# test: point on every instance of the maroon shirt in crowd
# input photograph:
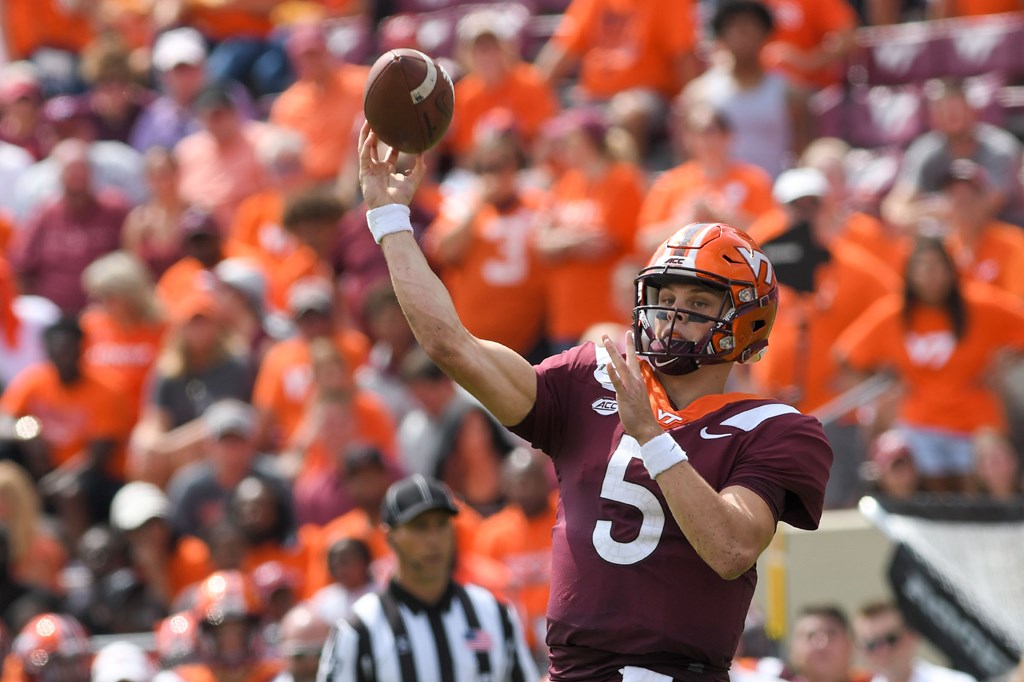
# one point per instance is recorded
(627, 588)
(56, 245)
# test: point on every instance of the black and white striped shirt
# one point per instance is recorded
(468, 636)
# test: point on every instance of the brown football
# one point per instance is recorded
(409, 100)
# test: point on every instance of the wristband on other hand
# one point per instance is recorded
(661, 453)
(388, 219)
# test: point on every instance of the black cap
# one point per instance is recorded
(214, 96)
(727, 9)
(412, 496)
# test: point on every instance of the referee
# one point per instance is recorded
(424, 627)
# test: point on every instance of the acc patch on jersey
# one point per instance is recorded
(605, 406)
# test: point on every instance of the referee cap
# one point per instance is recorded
(408, 498)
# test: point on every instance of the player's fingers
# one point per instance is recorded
(613, 376)
(419, 169)
(372, 145)
(613, 355)
(364, 131)
(392, 157)
(632, 361)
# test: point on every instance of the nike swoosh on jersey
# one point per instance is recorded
(711, 436)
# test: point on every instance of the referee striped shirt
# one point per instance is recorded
(468, 636)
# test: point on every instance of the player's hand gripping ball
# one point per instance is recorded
(409, 100)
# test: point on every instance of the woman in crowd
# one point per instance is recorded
(36, 557)
(152, 230)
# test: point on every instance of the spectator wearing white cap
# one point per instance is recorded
(164, 562)
(122, 662)
(179, 60)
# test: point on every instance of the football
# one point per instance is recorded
(409, 100)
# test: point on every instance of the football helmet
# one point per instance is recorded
(229, 610)
(177, 639)
(54, 647)
(720, 257)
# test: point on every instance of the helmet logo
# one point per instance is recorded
(755, 259)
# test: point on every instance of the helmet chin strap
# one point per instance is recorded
(671, 356)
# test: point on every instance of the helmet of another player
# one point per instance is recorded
(728, 265)
(229, 611)
(53, 648)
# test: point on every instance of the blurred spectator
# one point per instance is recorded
(482, 244)
(218, 163)
(179, 59)
(946, 344)
(152, 231)
(199, 493)
(165, 563)
(348, 564)
(589, 224)
(80, 425)
(710, 187)
(68, 233)
(890, 648)
(52, 647)
(34, 556)
(890, 466)
(323, 105)
(520, 537)
(227, 547)
(303, 634)
(12, 589)
(13, 162)
(996, 466)
(258, 220)
(177, 640)
(284, 384)
(21, 109)
(243, 49)
(22, 321)
(117, 169)
(122, 662)
(262, 509)
(821, 647)
(204, 247)
(637, 54)
(198, 366)
(278, 586)
(811, 40)
(826, 284)
(124, 326)
(495, 78)
(231, 644)
(243, 288)
(114, 100)
(99, 555)
(768, 116)
(956, 134)
(985, 250)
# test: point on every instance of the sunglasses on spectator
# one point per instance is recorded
(886, 641)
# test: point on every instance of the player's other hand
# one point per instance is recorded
(631, 392)
(378, 175)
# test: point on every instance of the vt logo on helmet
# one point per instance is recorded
(722, 261)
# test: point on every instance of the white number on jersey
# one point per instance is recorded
(616, 488)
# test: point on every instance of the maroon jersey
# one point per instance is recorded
(627, 588)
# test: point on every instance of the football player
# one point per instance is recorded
(670, 487)
(51, 648)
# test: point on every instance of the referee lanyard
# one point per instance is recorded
(444, 655)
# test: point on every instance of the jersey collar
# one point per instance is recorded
(415, 604)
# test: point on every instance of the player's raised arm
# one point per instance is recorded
(497, 376)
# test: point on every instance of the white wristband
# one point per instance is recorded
(388, 219)
(661, 453)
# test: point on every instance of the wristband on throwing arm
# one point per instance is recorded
(388, 219)
(661, 453)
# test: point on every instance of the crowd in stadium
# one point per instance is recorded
(205, 372)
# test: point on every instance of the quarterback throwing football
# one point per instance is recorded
(670, 488)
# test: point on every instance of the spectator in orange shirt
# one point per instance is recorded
(495, 78)
(811, 41)
(199, 364)
(589, 225)
(768, 115)
(35, 556)
(635, 54)
(825, 285)
(152, 230)
(985, 250)
(482, 244)
(80, 427)
(284, 383)
(63, 29)
(218, 164)
(520, 537)
(947, 343)
(165, 563)
(257, 222)
(124, 327)
(323, 105)
(710, 187)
